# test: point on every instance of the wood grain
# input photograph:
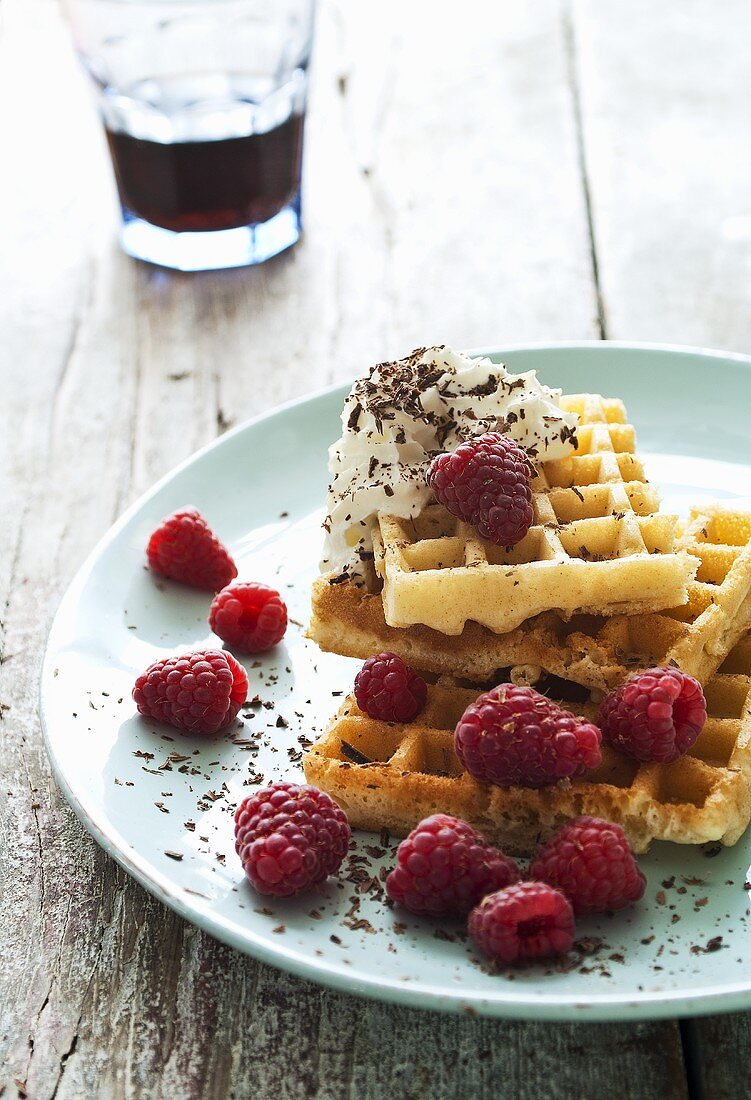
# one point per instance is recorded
(664, 94)
(719, 1045)
(445, 200)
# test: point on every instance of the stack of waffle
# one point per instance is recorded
(602, 585)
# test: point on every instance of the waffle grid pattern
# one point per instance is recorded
(413, 771)
(593, 651)
(597, 543)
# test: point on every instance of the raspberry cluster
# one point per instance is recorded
(445, 866)
(290, 837)
(202, 691)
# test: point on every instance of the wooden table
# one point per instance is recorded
(476, 173)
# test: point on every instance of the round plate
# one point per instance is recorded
(161, 802)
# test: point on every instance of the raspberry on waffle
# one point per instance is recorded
(597, 544)
(386, 688)
(412, 772)
(595, 651)
(486, 483)
(514, 736)
(656, 714)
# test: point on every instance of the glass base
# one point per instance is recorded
(211, 251)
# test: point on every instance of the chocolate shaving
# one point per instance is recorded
(715, 944)
(354, 754)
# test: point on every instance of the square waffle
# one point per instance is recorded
(597, 652)
(394, 775)
(597, 543)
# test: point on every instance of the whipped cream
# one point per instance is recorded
(402, 414)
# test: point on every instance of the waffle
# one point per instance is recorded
(392, 776)
(594, 651)
(597, 544)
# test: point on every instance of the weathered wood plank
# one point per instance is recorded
(431, 214)
(719, 1053)
(664, 100)
(112, 372)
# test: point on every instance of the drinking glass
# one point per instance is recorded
(203, 104)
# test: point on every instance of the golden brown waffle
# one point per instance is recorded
(594, 651)
(412, 771)
(597, 544)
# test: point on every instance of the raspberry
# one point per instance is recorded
(513, 736)
(445, 866)
(591, 861)
(184, 548)
(249, 617)
(200, 692)
(486, 482)
(388, 690)
(290, 837)
(655, 715)
(530, 920)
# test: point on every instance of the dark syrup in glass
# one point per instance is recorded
(191, 186)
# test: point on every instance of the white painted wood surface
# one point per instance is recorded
(456, 155)
(665, 90)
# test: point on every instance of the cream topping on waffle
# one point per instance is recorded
(402, 413)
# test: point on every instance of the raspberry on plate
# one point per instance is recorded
(529, 920)
(655, 715)
(388, 690)
(200, 692)
(184, 548)
(591, 861)
(513, 736)
(444, 866)
(290, 837)
(248, 616)
(486, 483)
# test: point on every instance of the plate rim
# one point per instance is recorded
(553, 1007)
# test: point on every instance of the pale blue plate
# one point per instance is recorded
(261, 486)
